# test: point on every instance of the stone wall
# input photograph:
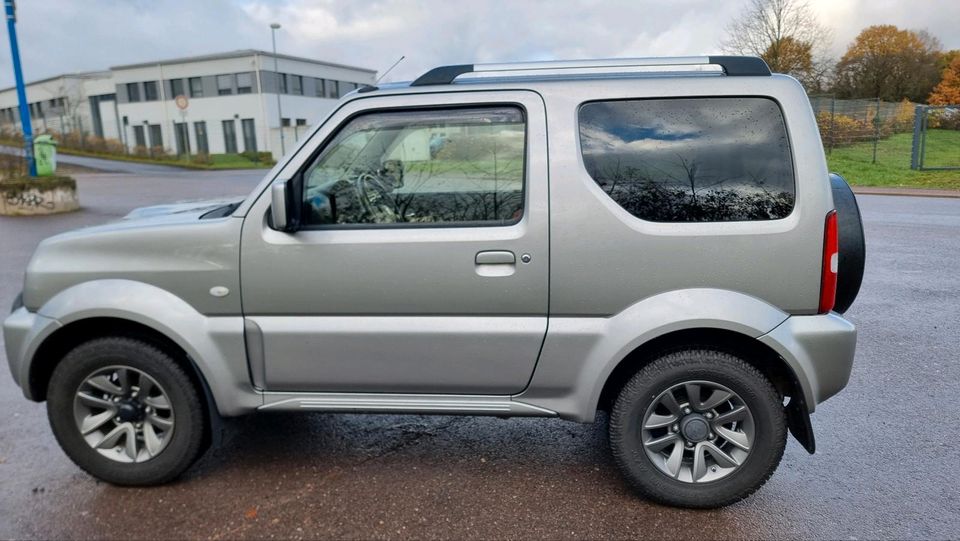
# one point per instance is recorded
(31, 197)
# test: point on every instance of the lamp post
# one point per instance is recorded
(273, 33)
(25, 125)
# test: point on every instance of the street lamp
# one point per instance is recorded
(273, 33)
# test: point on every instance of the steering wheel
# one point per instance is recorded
(374, 198)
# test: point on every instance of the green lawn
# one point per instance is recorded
(217, 161)
(893, 162)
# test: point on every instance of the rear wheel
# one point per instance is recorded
(125, 412)
(698, 428)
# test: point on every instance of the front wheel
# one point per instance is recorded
(698, 428)
(125, 412)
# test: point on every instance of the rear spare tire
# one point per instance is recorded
(853, 250)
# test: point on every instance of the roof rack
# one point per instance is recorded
(731, 65)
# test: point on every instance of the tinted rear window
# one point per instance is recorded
(690, 159)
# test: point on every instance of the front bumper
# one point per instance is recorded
(23, 332)
(820, 349)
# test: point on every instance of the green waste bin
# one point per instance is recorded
(45, 155)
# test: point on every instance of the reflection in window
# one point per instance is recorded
(690, 160)
(461, 166)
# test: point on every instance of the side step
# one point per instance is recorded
(402, 403)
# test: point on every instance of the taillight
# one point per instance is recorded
(831, 261)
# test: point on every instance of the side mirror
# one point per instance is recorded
(285, 205)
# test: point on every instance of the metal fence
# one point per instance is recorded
(936, 138)
(874, 129)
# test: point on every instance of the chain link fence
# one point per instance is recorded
(936, 138)
(875, 130)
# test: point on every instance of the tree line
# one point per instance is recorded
(883, 61)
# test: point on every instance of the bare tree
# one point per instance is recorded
(787, 35)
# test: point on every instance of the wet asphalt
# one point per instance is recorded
(887, 465)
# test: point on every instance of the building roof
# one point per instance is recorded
(235, 54)
(77, 75)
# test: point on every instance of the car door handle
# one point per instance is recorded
(496, 257)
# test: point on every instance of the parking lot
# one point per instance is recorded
(886, 465)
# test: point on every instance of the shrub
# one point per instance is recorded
(902, 120)
(12, 166)
(840, 130)
(201, 159)
(257, 157)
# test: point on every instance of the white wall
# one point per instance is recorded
(213, 110)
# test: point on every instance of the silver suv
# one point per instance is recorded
(653, 238)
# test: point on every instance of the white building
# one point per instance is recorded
(57, 104)
(231, 101)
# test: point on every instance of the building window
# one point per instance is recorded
(139, 138)
(285, 122)
(156, 136)
(690, 160)
(346, 88)
(296, 84)
(244, 83)
(150, 91)
(320, 92)
(200, 128)
(249, 135)
(176, 87)
(225, 84)
(229, 137)
(301, 122)
(182, 135)
(332, 91)
(133, 92)
(282, 82)
(196, 87)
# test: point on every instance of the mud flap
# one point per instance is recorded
(798, 420)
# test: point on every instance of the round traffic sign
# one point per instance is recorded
(181, 102)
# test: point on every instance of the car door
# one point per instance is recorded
(421, 265)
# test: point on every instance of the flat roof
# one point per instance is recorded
(77, 75)
(236, 54)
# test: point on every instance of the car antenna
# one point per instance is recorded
(370, 88)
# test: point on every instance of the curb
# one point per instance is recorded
(906, 192)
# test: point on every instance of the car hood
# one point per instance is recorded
(166, 246)
(189, 210)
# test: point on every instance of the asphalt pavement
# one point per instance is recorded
(886, 465)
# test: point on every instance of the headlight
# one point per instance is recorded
(17, 302)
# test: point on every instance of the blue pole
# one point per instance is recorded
(21, 90)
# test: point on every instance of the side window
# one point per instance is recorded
(421, 168)
(691, 159)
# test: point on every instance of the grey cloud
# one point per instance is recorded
(58, 36)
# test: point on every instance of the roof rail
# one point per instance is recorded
(731, 65)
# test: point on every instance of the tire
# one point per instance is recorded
(147, 366)
(639, 405)
(853, 247)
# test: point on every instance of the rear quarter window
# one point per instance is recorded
(690, 159)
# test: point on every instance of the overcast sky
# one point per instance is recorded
(60, 36)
